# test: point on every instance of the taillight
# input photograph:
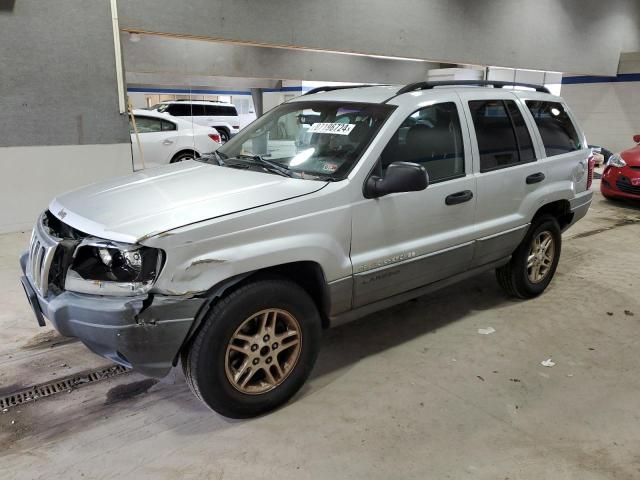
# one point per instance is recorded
(591, 163)
(215, 137)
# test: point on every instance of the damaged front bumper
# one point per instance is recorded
(143, 332)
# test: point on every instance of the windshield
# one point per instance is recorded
(317, 140)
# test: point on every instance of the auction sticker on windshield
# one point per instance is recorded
(334, 128)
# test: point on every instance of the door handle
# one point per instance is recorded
(535, 178)
(459, 197)
(167, 142)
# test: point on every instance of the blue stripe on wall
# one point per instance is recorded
(622, 77)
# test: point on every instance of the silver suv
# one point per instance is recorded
(331, 206)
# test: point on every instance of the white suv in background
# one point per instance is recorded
(222, 116)
(165, 139)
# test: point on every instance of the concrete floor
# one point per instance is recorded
(413, 392)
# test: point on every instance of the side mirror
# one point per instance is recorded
(400, 177)
(636, 138)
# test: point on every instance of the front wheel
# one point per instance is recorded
(534, 262)
(255, 349)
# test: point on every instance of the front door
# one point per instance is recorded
(405, 240)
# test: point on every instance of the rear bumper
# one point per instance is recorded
(579, 206)
(144, 333)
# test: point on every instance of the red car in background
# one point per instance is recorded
(621, 176)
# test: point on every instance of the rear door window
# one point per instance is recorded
(502, 135)
(168, 126)
(198, 110)
(179, 110)
(523, 138)
(556, 129)
(147, 125)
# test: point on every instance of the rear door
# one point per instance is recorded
(564, 148)
(508, 171)
(158, 139)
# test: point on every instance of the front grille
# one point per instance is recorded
(626, 187)
(635, 167)
(41, 252)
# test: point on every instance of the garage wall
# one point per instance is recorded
(59, 122)
(537, 34)
(608, 108)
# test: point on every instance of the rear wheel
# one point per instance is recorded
(255, 349)
(184, 156)
(534, 262)
(224, 135)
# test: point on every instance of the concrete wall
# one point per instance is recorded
(58, 77)
(59, 121)
(608, 109)
(580, 36)
(194, 60)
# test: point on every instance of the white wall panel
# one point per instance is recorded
(32, 176)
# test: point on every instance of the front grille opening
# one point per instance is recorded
(626, 187)
(60, 229)
(44, 390)
(67, 238)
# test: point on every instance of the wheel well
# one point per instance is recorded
(560, 209)
(188, 150)
(310, 277)
(307, 274)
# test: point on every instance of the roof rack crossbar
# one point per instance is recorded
(412, 87)
(330, 88)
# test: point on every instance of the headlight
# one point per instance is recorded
(616, 160)
(101, 267)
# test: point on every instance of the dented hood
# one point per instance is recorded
(151, 202)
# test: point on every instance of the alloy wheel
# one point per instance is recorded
(263, 351)
(540, 259)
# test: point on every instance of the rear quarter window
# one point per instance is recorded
(557, 131)
(221, 111)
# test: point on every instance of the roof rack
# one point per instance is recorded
(412, 87)
(330, 88)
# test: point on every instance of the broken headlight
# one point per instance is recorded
(101, 267)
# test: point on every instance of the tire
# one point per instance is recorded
(224, 135)
(183, 156)
(515, 278)
(213, 359)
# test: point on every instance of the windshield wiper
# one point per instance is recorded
(268, 165)
(211, 157)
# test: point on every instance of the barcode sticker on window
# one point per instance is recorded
(333, 128)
